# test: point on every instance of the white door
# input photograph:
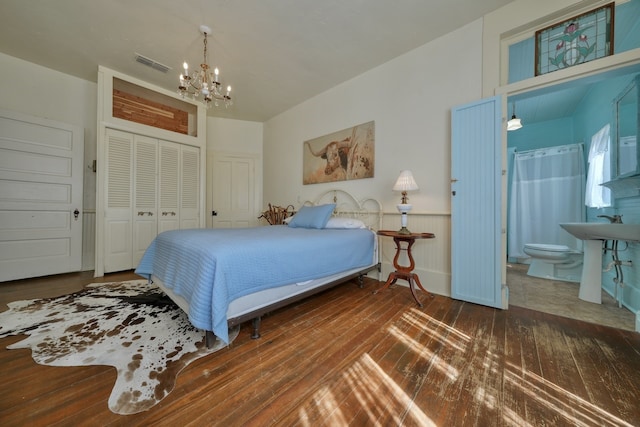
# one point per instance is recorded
(169, 187)
(179, 186)
(145, 205)
(41, 177)
(233, 191)
(189, 187)
(476, 203)
(118, 248)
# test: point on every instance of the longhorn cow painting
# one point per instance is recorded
(340, 156)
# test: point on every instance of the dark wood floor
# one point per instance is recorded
(347, 357)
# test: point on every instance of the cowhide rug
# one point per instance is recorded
(130, 325)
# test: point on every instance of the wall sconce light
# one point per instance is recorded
(404, 184)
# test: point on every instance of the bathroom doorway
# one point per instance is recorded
(542, 112)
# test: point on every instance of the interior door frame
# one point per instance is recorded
(615, 64)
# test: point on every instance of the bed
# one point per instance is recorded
(224, 277)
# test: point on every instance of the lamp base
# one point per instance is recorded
(404, 230)
(404, 208)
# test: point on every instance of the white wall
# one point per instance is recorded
(38, 91)
(409, 98)
(235, 136)
(42, 92)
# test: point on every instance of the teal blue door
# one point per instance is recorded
(476, 200)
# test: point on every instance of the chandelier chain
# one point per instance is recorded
(206, 56)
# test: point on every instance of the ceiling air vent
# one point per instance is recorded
(151, 63)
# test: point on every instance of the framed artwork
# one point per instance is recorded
(575, 41)
(340, 156)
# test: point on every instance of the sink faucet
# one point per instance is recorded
(616, 219)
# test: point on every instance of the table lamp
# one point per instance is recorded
(404, 184)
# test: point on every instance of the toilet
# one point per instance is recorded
(555, 262)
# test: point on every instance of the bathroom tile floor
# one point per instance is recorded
(561, 298)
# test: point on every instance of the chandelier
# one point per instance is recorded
(202, 82)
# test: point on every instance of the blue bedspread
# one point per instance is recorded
(212, 267)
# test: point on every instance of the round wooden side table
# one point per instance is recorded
(405, 272)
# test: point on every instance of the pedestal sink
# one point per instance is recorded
(603, 231)
(593, 233)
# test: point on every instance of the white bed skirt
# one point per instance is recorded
(264, 298)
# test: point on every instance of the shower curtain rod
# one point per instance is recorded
(566, 147)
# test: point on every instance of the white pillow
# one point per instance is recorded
(341, 222)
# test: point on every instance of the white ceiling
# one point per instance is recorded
(275, 53)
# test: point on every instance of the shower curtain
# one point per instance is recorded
(547, 189)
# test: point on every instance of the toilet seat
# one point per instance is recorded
(548, 247)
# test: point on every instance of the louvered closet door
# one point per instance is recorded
(118, 180)
(145, 211)
(190, 187)
(168, 186)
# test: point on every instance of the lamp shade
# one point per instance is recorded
(514, 123)
(405, 182)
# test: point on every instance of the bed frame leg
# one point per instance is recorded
(256, 328)
(209, 339)
(361, 281)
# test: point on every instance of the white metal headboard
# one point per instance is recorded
(367, 210)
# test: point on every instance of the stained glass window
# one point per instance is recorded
(575, 41)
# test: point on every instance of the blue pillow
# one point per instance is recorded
(312, 216)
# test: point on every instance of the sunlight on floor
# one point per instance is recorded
(368, 376)
(365, 390)
(426, 354)
(377, 394)
(419, 319)
(328, 406)
(544, 392)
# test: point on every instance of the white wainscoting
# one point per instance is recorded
(432, 256)
(88, 239)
